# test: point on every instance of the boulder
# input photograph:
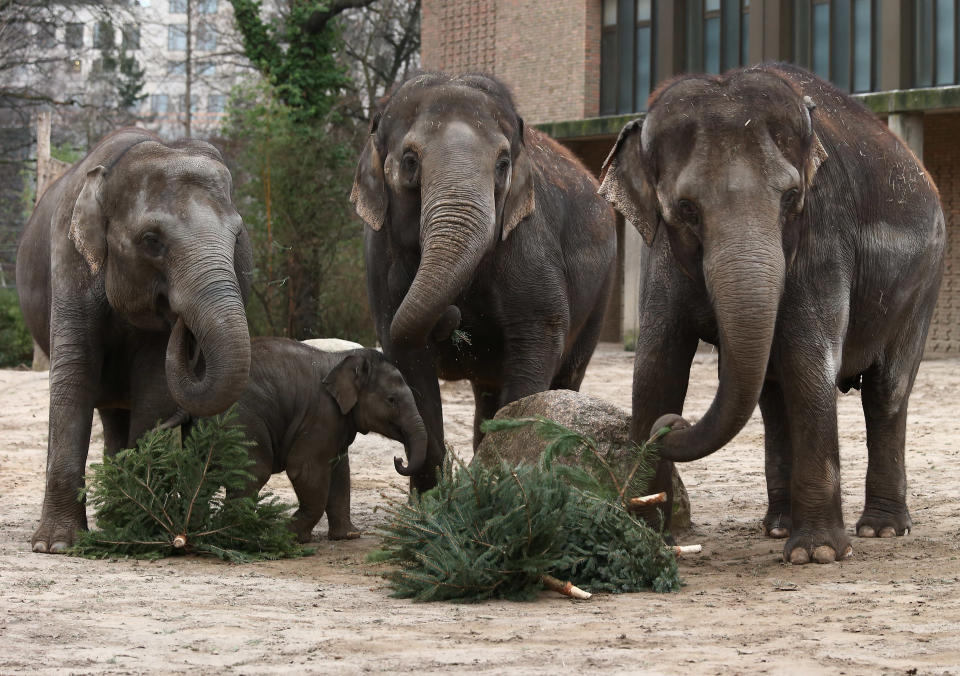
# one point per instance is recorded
(609, 425)
(332, 344)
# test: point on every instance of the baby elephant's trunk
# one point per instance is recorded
(415, 442)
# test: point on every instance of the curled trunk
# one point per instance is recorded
(745, 283)
(457, 228)
(208, 353)
(415, 442)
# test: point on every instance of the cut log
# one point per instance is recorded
(565, 588)
(645, 500)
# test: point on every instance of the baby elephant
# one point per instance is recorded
(302, 408)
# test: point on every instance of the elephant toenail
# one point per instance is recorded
(866, 532)
(40, 547)
(824, 554)
(58, 547)
(799, 556)
(848, 552)
(887, 532)
(778, 532)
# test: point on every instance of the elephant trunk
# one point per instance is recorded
(415, 442)
(745, 281)
(457, 228)
(208, 353)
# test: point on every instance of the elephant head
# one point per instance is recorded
(445, 169)
(160, 230)
(723, 168)
(371, 390)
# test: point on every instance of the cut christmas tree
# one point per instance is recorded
(502, 531)
(162, 498)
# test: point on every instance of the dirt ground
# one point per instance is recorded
(893, 608)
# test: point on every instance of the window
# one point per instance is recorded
(159, 104)
(206, 6)
(718, 35)
(73, 35)
(205, 68)
(104, 65)
(131, 36)
(178, 6)
(177, 37)
(216, 103)
(627, 49)
(206, 38)
(837, 39)
(46, 35)
(176, 67)
(935, 43)
(194, 103)
(103, 35)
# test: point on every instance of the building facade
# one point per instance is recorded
(580, 69)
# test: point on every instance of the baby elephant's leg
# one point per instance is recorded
(338, 502)
(310, 477)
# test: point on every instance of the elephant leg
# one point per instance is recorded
(885, 393)
(574, 367)
(310, 473)
(420, 373)
(74, 369)
(338, 501)
(817, 532)
(150, 400)
(486, 400)
(779, 458)
(116, 430)
(666, 343)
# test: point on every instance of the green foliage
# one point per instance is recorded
(16, 345)
(144, 498)
(630, 340)
(296, 56)
(615, 477)
(494, 532)
(293, 180)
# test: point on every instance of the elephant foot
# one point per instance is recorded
(777, 523)
(823, 546)
(879, 522)
(350, 534)
(55, 535)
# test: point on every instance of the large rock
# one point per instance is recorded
(609, 425)
(332, 344)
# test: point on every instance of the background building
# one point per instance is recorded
(580, 69)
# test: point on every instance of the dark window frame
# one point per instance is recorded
(837, 64)
(624, 33)
(929, 43)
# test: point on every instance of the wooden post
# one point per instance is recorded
(48, 171)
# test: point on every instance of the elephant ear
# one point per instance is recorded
(369, 193)
(624, 182)
(87, 228)
(520, 201)
(346, 380)
(818, 153)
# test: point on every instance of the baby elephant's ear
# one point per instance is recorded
(346, 380)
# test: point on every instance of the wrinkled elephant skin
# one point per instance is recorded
(789, 227)
(132, 274)
(489, 254)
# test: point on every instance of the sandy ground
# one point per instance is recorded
(893, 608)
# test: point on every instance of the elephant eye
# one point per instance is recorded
(410, 169)
(151, 244)
(687, 212)
(392, 400)
(502, 168)
(789, 199)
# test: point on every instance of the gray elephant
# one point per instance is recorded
(132, 274)
(303, 407)
(785, 224)
(489, 255)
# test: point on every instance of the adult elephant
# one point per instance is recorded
(480, 224)
(788, 226)
(132, 273)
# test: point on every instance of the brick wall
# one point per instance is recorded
(547, 51)
(941, 155)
